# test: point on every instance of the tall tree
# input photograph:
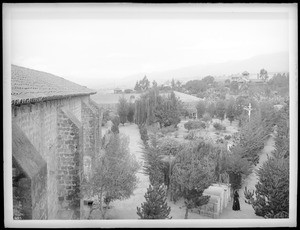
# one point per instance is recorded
(230, 110)
(123, 109)
(154, 84)
(114, 177)
(145, 83)
(271, 197)
(173, 85)
(178, 86)
(130, 113)
(234, 87)
(137, 86)
(193, 172)
(201, 108)
(236, 167)
(167, 110)
(263, 74)
(156, 206)
(227, 82)
(211, 109)
(153, 166)
(115, 124)
(251, 139)
(220, 109)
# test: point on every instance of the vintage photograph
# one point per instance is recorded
(142, 115)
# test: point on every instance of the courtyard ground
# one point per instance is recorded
(126, 209)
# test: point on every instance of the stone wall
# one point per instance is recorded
(29, 177)
(39, 122)
(91, 134)
(39, 195)
(69, 160)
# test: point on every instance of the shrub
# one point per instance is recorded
(193, 134)
(168, 129)
(169, 145)
(176, 134)
(206, 117)
(106, 117)
(220, 140)
(227, 137)
(156, 206)
(194, 125)
(219, 126)
(115, 126)
(144, 134)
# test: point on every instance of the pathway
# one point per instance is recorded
(247, 212)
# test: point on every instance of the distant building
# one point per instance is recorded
(56, 130)
(117, 90)
(128, 91)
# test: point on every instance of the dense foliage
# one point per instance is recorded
(220, 109)
(219, 126)
(230, 110)
(193, 172)
(114, 176)
(167, 110)
(115, 124)
(130, 114)
(122, 110)
(194, 124)
(201, 107)
(271, 197)
(154, 167)
(156, 206)
(142, 85)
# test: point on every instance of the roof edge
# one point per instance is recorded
(49, 98)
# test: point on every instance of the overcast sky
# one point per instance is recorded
(87, 44)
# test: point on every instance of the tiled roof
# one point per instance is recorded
(28, 85)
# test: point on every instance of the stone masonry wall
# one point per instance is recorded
(99, 117)
(69, 154)
(39, 123)
(39, 195)
(89, 122)
(29, 178)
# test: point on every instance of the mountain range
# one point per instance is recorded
(276, 62)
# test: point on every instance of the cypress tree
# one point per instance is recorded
(156, 206)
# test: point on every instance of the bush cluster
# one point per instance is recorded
(219, 126)
(227, 137)
(168, 129)
(193, 134)
(194, 125)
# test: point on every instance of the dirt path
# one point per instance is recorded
(247, 212)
